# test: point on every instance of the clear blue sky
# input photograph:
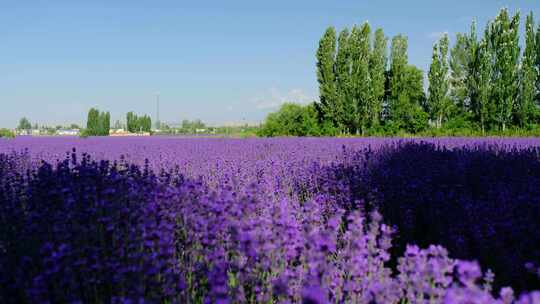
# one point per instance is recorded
(220, 61)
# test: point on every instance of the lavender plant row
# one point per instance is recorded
(220, 221)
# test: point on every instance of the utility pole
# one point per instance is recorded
(157, 111)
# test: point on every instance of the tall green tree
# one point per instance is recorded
(98, 123)
(414, 119)
(398, 66)
(377, 70)
(101, 123)
(406, 90)
(24, 124)
(92, 122)
(483, 108)
(526, 108)
(479, 76)
(439, 104)
(537, 66)
(459, 71)
(505, 45)
(129, 122)
(360, 49)
(472, 71)
(107, 123)
(345, 105)
(326, 76)
(146, 124)
(104, 123)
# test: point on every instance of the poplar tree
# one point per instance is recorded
(483, 108)
(537, 66)
(360, 54)
(528, 75)
(378, 61)
(326, 77)
(406, 90)
(459, 63)
(505, 45)
(408, 114)
(92, 122)
(131, 122)
(345, 106)
(101, 124)
(472, 70)
(24, 124)
(106, 124)
(438, 101)
(145, 123)
(398, 66)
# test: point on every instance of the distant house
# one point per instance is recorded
(122, 132)
(23, 132)
(72, 132)
(200, 130)
(118, 132)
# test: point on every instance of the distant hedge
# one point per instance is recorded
(7, 133)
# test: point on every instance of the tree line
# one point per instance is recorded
(136, 124)
(485, 83)
(489, 81)
(98, 123)
(292, 120)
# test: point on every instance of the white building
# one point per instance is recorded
(72, 132)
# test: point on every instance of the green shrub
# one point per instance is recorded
(293, 120)
(6, 133)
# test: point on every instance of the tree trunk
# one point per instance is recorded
(482, 126)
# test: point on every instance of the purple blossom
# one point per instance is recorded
(246, 221)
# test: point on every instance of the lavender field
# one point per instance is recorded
(285, 220)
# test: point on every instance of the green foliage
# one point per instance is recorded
(131, 122)
(84, 133)
(351, 80)
(503, 35)
(398, 64)
(476, 87)
(191, 127)
(326, 77)
(361, 86)
(406, 91)
(239, 131)
(136, 124)
(292, 120)
(537, 67)
(92, 122)
(482, 107)
(24, 124)
(378, 61)
(104, 123)
(117, 125)
(344, 109)
(6, 133)
(406, 111)
(459, 62)
(439, 103)
(98, 123)
(525, 108)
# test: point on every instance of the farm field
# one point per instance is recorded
(285, 220)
